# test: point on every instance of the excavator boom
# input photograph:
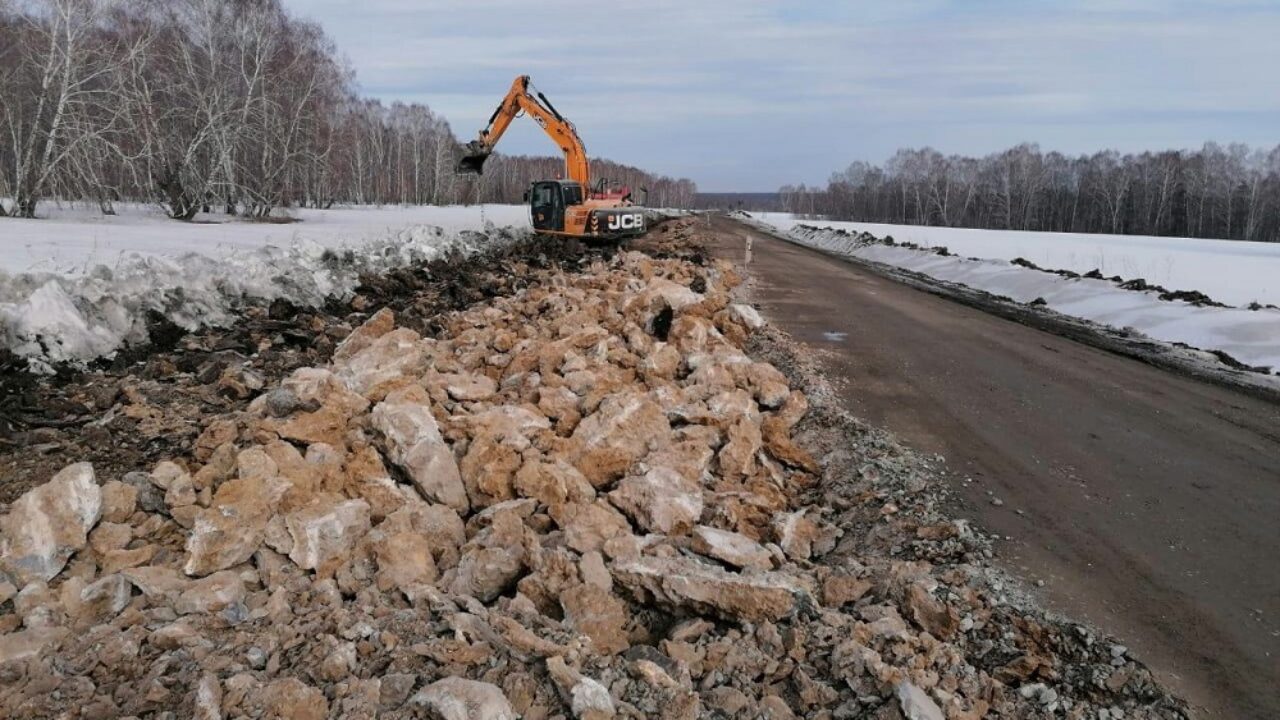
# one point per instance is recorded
(561, 131)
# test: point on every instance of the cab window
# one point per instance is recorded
(544, 195)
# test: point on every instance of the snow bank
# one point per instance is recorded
(1250, 336)
(83, 310)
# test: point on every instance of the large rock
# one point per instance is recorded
(117, 560)
(214, 593)
(691, 457)
(488, 469)
(30, 643)
(658, 296)
(381, 323)
(729, 407)
(767, 383)
(404, 561)
(693, 334)
(777, 440)
(748, 316)
(208, 700)
(326, 530)
(499, 438)
(317, 387)
(840, 589)
(660, 501)
(936, 617)
(455, 698)
(439, 524)
(326, 425)
(619, 433)
(553, 483)
(916, 703)
(587, 698)
(685, 584)
(108, 536)
(467, 387)
(562, 405)
(738, 456)
(104, 598)
(796, 534)
(661, 363)
(413, 442)
(292, 699)
(492, 560)
(161, 585)
(180, 491)
(387, 358)
(229, 531)
(367, 478)
(49, 524)
(596, 613)
(118, 501)
(39, 606)
(589, 525)
(730, 547)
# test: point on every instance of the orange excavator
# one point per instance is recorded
(569, 207)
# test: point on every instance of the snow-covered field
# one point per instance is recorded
(1231, 272)
(77, 238)
(78, 286)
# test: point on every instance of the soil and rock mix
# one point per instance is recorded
(149, 402)
(592, 490)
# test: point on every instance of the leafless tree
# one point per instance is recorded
(49, 92)
(229, 104)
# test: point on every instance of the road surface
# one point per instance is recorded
(1147, 502)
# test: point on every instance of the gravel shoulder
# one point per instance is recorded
(1142, 499)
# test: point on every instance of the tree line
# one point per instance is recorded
(1230, 192)
(234, 106)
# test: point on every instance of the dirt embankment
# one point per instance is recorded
(612, 493)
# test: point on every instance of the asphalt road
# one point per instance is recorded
(1147, 502)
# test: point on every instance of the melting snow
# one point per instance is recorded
(99, 277)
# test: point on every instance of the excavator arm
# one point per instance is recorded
(561, 131)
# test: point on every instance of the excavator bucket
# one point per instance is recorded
(473, 158)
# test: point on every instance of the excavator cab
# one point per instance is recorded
(548, 201)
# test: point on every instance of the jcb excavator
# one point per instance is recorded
(570, 207)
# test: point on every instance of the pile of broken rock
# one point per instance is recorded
(583, 499)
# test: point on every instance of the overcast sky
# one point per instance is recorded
(751, 94)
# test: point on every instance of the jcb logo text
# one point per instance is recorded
(633, 221)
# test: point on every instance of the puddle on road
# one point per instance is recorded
(830, 336)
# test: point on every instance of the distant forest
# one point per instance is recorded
(758, 201)
(1230, 192)
(233, 106)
